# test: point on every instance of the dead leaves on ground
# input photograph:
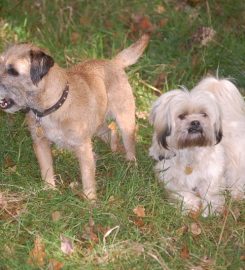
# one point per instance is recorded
(66, 245)
(10, 166)
(203, 36)
(139, 211)
(12, 204)
(195, 229)
(38, 257)
(185, 253)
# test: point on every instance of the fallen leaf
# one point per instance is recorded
(8, 250)
(195, 229)
(8, 162)
(112, 126)
(74, 37)
(207, 262)
(194, 3)
(12, 169)
(139, 222)
(184, 253)
(85, 20)
(37, 255)
(111, 199)
(101, 229)
(160, 9)
(55, 265)
(195, 60)
(136, 17)
(56, 216)
(138, 248)
(160, 81)
(195, 214)
(146, 25)
(163, 22)
(89, 234)
(203, 36)
(182, 230)
(141, 23)
(108, 24)
(77, 189)
(3, 201)
(66, 245)
(197, 268)
(91, 222)
(242, 258)
(139, 211)
(142, 115)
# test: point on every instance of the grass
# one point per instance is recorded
(109, 235)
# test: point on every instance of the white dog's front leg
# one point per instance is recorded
(213, 197)
(85, 156)
(213, 204)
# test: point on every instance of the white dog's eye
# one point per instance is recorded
(204, 115)
(182, 116)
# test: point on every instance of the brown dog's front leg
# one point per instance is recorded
(43, 153)
(85, 156)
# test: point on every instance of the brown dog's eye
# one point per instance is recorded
(12, 71)
(182, 116)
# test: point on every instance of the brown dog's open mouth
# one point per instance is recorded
(6, 103)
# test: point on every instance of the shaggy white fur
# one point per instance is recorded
(199, 144)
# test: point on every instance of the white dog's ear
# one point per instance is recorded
(218, 132)
(160, 116)
(162, 136)
(219, 136)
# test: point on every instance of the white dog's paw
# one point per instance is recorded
(237, 194)
(213, 207)
(191, 203)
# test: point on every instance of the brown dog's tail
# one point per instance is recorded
(130, 55)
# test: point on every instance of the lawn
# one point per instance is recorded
(132, 226)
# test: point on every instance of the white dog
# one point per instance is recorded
(199, 144)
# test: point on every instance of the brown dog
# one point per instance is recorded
(68, 107)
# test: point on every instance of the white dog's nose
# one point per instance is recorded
(195, 123)
(195, 127)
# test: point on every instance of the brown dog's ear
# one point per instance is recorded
(40, 65)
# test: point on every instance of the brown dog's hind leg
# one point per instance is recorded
(109, 135)
(127, 127)
(86, 160)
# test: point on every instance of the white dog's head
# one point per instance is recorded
(183, 119)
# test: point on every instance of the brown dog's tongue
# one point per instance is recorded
(5, 104)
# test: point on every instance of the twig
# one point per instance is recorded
(158, 259)
(208, 12)
(150, 86)
(222, 230)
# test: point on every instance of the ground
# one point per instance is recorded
(132, 226)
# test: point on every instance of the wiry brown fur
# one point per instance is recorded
(97, 89)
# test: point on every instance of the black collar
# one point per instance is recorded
(53, 108)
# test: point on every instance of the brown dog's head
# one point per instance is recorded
(22, 68)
